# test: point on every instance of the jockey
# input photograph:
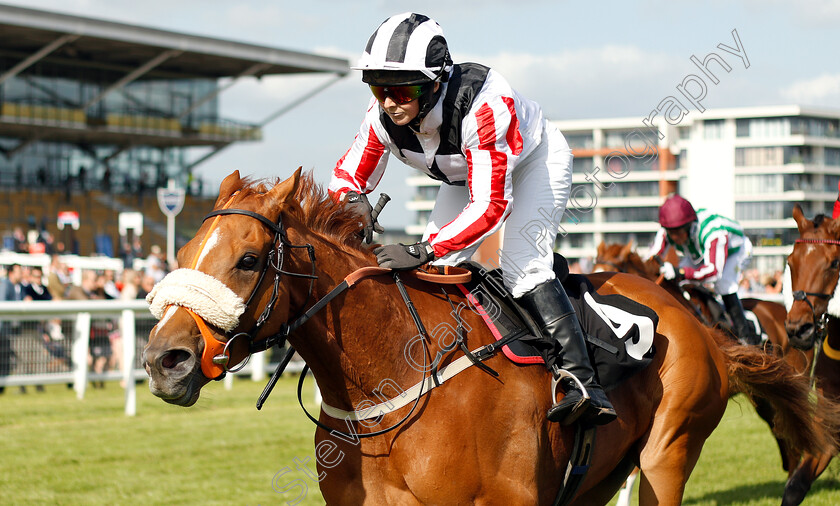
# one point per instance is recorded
(713, 250)
(499, 161)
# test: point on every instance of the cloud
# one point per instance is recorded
(806, 13)
(822, 90)
(601, 81)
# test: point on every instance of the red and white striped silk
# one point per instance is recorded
(499, 129)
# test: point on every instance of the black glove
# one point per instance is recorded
(360, 205)
(401, 257)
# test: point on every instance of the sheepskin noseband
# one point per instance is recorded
(205, 295)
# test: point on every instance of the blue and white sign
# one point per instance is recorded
(171, 200)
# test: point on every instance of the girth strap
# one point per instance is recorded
(406, 397)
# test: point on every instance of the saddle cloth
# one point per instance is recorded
(619, 331)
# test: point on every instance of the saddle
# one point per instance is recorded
(619, 331)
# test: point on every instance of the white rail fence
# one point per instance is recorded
(33, 353)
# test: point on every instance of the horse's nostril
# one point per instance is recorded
(173, 358)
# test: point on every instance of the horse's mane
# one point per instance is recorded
(315, 209)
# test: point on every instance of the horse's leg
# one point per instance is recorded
(800, 481)
(666, 468)
(827, 373)
(627, 490)
(765, 411)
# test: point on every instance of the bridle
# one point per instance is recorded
(215, 366)
(821, 321)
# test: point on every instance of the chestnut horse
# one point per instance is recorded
(623, 258)
(813, 316)
(271, 252)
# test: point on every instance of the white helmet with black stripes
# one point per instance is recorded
(406, 49)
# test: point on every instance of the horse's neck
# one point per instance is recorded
(352, 344)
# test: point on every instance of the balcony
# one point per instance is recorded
(27, 121)
(41, 114)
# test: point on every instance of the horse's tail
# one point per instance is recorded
(803, 417)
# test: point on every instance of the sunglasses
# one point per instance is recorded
(399, 94)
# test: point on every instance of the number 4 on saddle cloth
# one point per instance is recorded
(619, 331)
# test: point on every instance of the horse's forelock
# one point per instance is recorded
(819, 219)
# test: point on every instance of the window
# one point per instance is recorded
(572, 240)
(583, 165)
(832, 157)
(632, 189)
(815, 127)
(752, 184)
(640, 239)
(798, 154)
(831, 183)
(617, 138)
(761, 156)
(778, 210)
(580, 140)
(713, 129)
(625, 214)
(747, 211)
(426, 193)
(742, 128)
(802, 182)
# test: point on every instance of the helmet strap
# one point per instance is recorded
(428, 100)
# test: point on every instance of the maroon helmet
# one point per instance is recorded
(676, 212)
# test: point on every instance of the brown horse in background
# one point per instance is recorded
(624, 258)
(477, 438)
(814, 265)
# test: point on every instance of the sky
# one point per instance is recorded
(578, 60)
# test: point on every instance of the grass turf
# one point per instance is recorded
(59, 450)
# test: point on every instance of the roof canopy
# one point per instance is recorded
(117, 48)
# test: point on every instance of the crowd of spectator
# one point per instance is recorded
(32, 283)
(753, 281)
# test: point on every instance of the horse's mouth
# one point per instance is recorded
(802, 344)
(187, 399)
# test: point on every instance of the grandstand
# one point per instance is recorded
(95, 115)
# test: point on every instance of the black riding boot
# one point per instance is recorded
(744, 329)
(551, 309)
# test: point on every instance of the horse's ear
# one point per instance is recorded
(282, 192)
(601, 249)
(802, 223)
(229, 185)
(625, 251)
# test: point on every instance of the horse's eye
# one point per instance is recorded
(247, 263)
(835, 264)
